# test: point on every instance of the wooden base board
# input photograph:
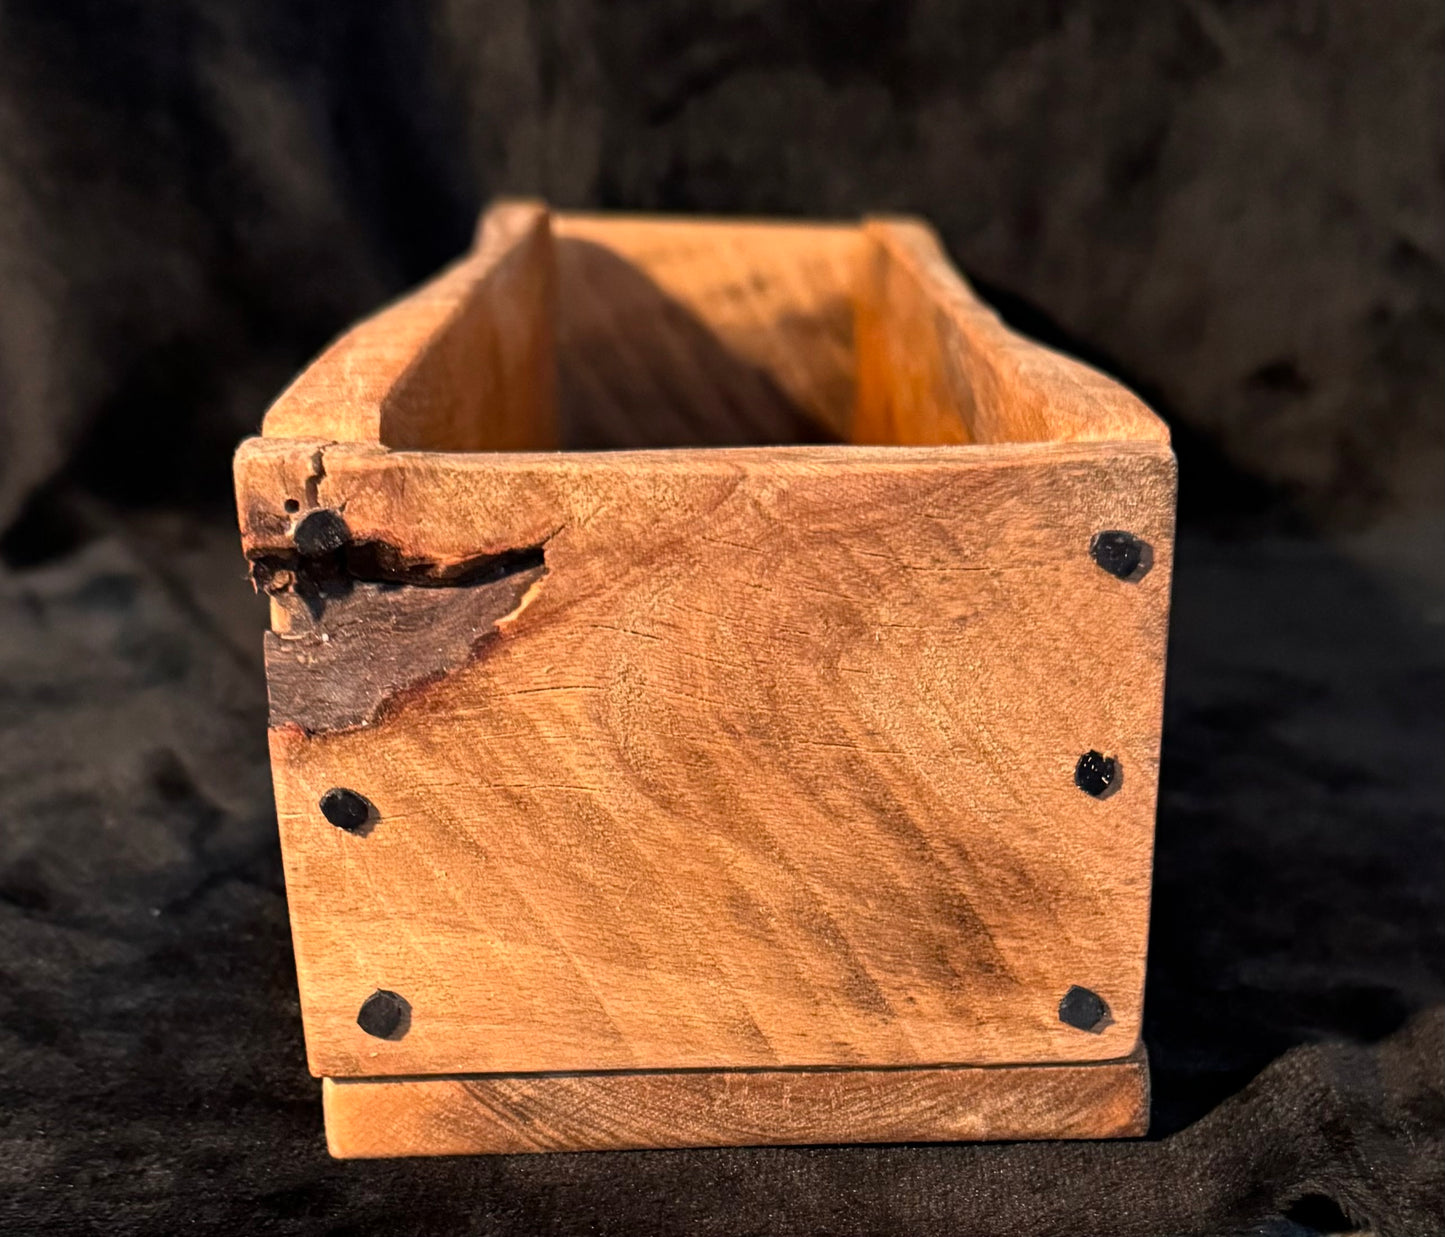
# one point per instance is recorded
(502, 1114)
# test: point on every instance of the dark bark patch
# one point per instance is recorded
(378, 641)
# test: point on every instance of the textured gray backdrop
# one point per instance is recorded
(1239, 207)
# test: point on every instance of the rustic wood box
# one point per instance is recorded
(792, 783)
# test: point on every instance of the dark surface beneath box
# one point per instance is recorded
(154, 1075)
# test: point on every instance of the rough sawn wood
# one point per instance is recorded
(732, 1108)
(742, 773)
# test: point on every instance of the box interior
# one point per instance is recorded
(673, 334)
(587, 332)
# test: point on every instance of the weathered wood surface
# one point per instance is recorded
(685, 332)
(464, 363)
(375, 643)
(595, 331)
(775, 766)
(618, 1112)
(818, 782)
(936, 365)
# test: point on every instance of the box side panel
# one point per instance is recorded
(936, 365)
(729, 759)
(705, 333)
(465, 362)
(619, 1112)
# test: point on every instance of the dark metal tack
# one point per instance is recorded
(347, 810)
(385, 1015)
(1097, 774)
(319, 533)
(1121, 554)
(1083, 1010)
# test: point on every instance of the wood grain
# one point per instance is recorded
(717, 796)
(373, 644)
(935, 365)
(732, 1108)
(633, 332)
(775, 768)
(687, 332)
(465, 363)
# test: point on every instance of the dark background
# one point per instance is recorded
(1237, 208)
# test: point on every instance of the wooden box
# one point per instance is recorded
(776, 763)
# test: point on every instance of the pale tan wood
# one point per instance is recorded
(912, 387)
(935, 365)
(750, 768)
(688, 332)
(465, 363)
(685, 332)
(773, 766)
(732, 1108)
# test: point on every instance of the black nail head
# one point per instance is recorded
(387, 1015)
(1083, 1009)
(1121, 554)
(319, 533)
(347, 810)
(1097, 774)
